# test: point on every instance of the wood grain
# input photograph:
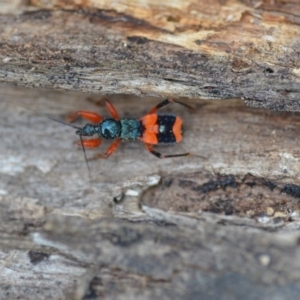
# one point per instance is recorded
(136, 227)
(215, 50)
(141, 227)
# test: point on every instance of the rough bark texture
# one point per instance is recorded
(224, 227)
(207, 49)
(143, 228)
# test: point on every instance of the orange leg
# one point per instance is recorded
(88, 115)
(111, 109)
(112, 148)
(159, 155)
(166, 102)
(92, 143)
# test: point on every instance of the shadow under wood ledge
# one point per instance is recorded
(158, 228)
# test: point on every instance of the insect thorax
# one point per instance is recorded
(130, 129)
(109, 129)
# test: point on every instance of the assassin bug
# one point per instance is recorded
(151, 129)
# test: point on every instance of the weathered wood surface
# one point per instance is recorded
(143, 228)
(203, 49)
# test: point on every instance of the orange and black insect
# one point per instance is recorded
(152, 129)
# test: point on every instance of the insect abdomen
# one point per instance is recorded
(161, 129)
(170, 129)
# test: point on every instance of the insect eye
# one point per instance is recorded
(87, 130)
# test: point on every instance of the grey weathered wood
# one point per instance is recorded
(190, 262)
(252, 53)
(142, 227)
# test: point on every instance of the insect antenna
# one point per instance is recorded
(61, 122)
(80, 136)
(84, 152)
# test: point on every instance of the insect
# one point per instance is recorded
(151, 129)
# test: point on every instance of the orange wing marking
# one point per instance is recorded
(151, 129)
(177, 129)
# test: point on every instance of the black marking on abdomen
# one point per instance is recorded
(165, 129)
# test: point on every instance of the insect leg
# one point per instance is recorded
(166, 102)
(92, 143)
(88, 115)
(159, 155)
(111, 109)
(112, 148)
